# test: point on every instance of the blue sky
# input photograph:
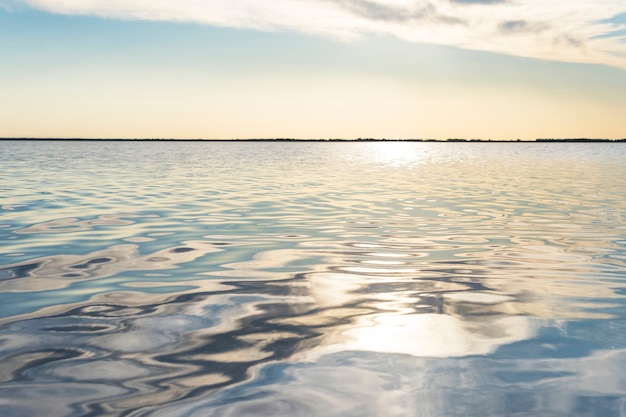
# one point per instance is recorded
(312, 69)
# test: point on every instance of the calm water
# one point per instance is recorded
(312, 279)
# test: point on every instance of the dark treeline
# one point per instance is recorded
(321, 140)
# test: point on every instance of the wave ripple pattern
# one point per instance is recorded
(160, 279)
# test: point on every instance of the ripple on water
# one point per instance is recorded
(312, 280)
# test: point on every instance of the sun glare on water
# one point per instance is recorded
(400, 153)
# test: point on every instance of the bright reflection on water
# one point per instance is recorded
(312, 279)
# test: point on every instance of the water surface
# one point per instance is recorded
(312, 279)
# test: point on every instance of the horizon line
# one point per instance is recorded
(82, 139)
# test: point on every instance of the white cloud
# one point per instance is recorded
(565, 30)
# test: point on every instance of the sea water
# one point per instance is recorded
(171, 279)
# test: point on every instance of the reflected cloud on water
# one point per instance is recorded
(60, 271)
(318, 342)
(412, 282)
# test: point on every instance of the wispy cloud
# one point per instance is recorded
(564, 30)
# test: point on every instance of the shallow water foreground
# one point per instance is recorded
(312, 279)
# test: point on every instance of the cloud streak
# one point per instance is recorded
(562, 30)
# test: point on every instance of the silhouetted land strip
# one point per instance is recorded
(584, 140)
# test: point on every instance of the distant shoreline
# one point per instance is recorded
(452, 140)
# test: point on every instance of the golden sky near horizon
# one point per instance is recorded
(383, 69)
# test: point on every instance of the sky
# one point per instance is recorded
(401, 69)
